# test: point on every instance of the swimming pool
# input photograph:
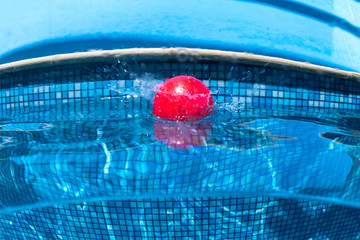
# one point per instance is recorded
(83, 157)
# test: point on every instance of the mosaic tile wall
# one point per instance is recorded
(256, 88)
(192, 218)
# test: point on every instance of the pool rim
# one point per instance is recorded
(175, 54)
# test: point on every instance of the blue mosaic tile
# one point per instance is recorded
(182, 218)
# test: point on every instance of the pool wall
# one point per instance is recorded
(256, 81)
(323, 32)
(61, 194)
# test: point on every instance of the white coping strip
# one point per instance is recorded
(180, 54)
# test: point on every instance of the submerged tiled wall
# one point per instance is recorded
(191, 218)
(68, 213)
(254, 87)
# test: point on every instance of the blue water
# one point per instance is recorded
(237, 174)
(127, 150)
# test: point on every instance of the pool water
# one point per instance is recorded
(134, 153)
(82, 163)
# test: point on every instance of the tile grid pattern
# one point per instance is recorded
(255, 87)
(191, 218)
(205, 218)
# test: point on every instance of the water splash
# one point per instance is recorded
(145, 86)
(148, 86)
(236, 105)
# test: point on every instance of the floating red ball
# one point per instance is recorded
(183, 98)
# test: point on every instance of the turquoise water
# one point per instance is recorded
(107, 150)
(82, 156)
(226, 169)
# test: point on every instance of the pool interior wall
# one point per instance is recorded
(34, 206)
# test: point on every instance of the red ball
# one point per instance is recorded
(183, 98)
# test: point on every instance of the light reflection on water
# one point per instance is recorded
(204, 173)
(132, 154)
